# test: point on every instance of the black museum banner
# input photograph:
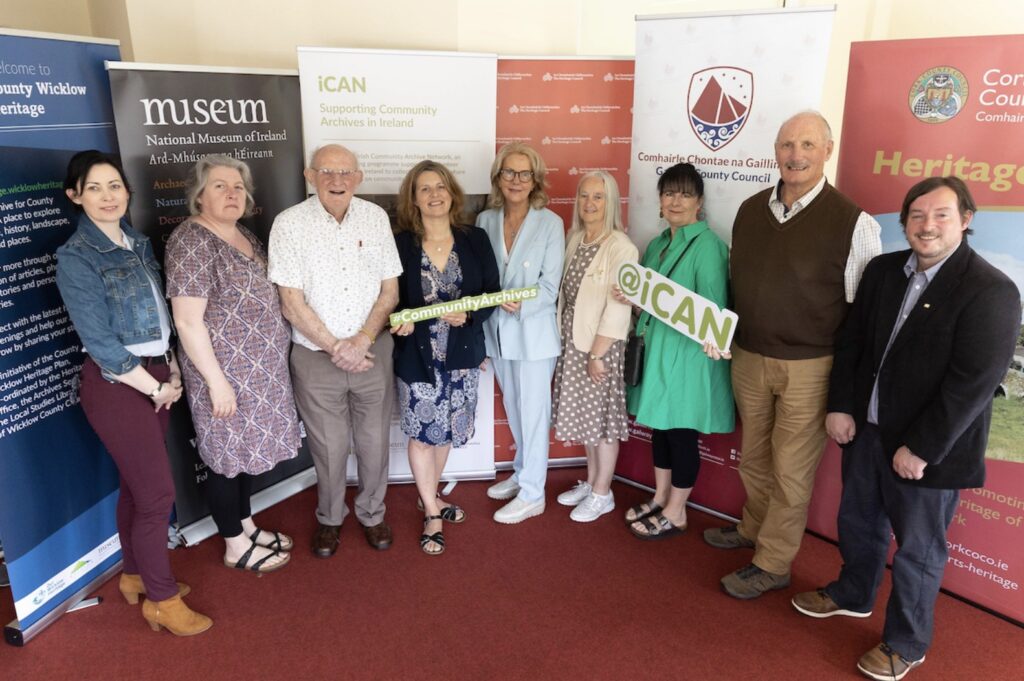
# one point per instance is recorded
(167, 118)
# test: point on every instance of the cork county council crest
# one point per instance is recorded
(719, 104)
(938, 94)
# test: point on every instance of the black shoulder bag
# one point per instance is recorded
(633, 363)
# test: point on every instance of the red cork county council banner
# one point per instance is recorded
(577, 113)
(952, 106)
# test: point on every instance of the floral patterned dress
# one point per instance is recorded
(251, 341)
(441, 412)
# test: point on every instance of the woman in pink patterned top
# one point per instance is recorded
(235, 363)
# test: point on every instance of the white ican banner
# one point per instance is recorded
(712, 90)
(396, 108)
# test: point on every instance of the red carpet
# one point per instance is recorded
(547, 599)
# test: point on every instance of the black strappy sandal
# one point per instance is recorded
(243, 562)
(451, 513)
(280, 542)
(437, 538)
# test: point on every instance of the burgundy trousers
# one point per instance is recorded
(133, 433)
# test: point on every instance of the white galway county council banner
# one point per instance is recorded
(712, 90)
(395, 108)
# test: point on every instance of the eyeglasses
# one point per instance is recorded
(509, 174)
(330, 173)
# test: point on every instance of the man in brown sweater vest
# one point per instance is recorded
(798, 251)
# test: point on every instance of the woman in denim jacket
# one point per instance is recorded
(110, 283)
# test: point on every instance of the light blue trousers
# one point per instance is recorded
(526, 393)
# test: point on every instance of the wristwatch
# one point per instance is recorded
(156, 391)
(593, 356)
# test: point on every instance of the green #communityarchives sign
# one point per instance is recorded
(467, 304)
(677, 306)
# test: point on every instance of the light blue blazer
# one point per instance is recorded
(536, 260)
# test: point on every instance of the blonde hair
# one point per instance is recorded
(538, 197)
(613, 207)
(199, 175)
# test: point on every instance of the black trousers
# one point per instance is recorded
(228, 499)
(676, 449)
(874, 503)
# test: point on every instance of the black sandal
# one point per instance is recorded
(453, 514)
(437, 538)
(243, 562)
(276, 544)
(658, 527)
(640, 513)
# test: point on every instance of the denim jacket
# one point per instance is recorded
(108, 295)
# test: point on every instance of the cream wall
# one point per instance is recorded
(264, 33)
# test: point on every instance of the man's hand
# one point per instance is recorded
(352, 353)
(908, 465)
(840, 427)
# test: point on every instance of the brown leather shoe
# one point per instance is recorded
(378, 536)
(325, 540)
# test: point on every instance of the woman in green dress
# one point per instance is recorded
(683, 392)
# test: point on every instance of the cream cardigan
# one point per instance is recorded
(597, 313)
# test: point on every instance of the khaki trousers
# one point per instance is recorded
(782, 406)
(337, 409)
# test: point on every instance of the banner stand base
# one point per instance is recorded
(83, 604)
(564, 462)
(16, 636)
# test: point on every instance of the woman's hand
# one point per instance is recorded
(619, 296)
(455, 318)
(596, 369)
(402, 329)
(168, 395)
(222, 399)
(175, 380)
(512, 307)
(714, 353)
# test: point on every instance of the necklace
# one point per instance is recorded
(427, 244)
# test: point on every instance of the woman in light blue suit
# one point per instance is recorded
(522, 337)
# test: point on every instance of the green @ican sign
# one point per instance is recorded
(677, 306)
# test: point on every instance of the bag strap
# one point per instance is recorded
(669, 275)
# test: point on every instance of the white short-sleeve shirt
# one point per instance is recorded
(337, 265)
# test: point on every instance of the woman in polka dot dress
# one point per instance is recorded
(589, 391)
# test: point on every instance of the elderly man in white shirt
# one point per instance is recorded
(334, 260)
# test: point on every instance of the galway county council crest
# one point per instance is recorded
(938, 94)
(718, 104)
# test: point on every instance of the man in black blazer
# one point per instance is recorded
(927, 341)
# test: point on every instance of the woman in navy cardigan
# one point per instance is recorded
(437, 361)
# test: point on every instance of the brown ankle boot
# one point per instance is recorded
(131, 587)
(175, 616)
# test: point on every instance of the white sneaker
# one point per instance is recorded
(517, 510)
(506, 489)
(577, 494)
(593, 507)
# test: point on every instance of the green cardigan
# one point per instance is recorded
(681, 387)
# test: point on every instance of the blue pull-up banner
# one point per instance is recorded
(58, 487)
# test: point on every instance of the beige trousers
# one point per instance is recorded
(782, 406)
(339, 408)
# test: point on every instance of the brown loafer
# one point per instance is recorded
(325, 540)
(378, 536)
